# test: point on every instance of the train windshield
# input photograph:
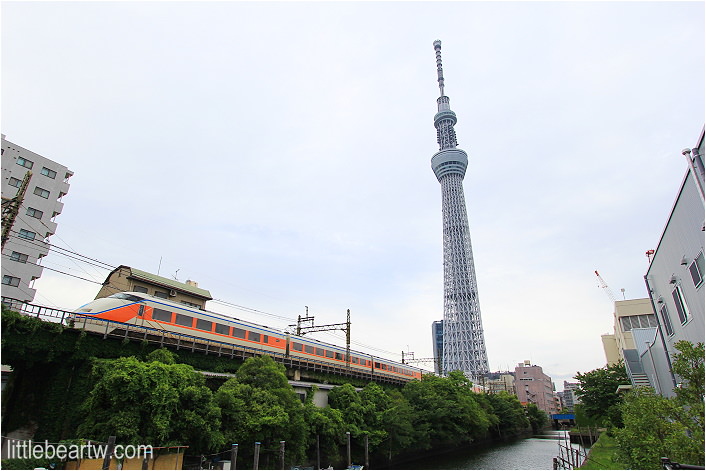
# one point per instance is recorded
(127, 297)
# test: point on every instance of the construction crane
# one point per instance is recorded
(605, 287)
(11, 206)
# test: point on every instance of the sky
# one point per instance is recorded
(278, 153)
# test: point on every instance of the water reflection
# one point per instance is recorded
(536, 452)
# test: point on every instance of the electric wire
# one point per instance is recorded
(74, 256)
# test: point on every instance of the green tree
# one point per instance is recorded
(259, 405)
(446, 410)
(597, 391)
(511, 416)
(656, 426)
(151, 403)
(649, 430)
(688, 365)
(328, 424)
(398, 421)
(538, 419)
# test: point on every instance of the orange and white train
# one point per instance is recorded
(159, 314)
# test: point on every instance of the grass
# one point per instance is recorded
(602, 454)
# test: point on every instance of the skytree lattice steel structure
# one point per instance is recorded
(464, 344)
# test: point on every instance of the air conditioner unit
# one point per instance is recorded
(172, 292)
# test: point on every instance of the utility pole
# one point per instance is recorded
(11, 206)
(344, 326)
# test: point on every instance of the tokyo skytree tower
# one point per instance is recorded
(464, 344)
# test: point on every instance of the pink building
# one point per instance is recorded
(534, 387)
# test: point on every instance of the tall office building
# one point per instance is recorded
(34, 223)
(437, 335)
(464, 344)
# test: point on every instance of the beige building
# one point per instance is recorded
(631, 317)
(125, 278)
(628, 315)
(503, 381)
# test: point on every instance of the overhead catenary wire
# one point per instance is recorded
(78, 257)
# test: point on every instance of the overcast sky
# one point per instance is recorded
(279, 154)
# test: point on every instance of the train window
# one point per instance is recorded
(377, 365)
(181, 319)
(297, 346)
(127, 297)
(161, 315)
(141, 310)
(308, 349)
(264, 339)
(320, 351)
(329, 354)
(355, 360)
(339, 356)
(254, 336)
(223, 329)
(203, 324)
(238, 333)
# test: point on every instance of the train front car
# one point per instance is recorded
(100, 313)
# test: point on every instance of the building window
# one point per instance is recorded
(161, 294)
(25, 234)
(637, 322)
(16, 182)
(18, 257)
(35, 213)
(10, 280)
(665, 320)
(139, 289)
(682, 307)
(48, 173)
(24, 162)
(697, 270)
(41, 192)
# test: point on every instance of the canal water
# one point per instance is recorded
(535, 452)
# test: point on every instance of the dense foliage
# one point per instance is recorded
(148, 396)
(597, 392)
(645, 425)
(656, 426)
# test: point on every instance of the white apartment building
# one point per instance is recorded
(35, 220)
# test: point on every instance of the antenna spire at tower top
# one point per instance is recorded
(439, 69)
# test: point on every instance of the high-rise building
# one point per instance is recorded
(34, 216)
(464, 343)
(569, 395)
(437, 334)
